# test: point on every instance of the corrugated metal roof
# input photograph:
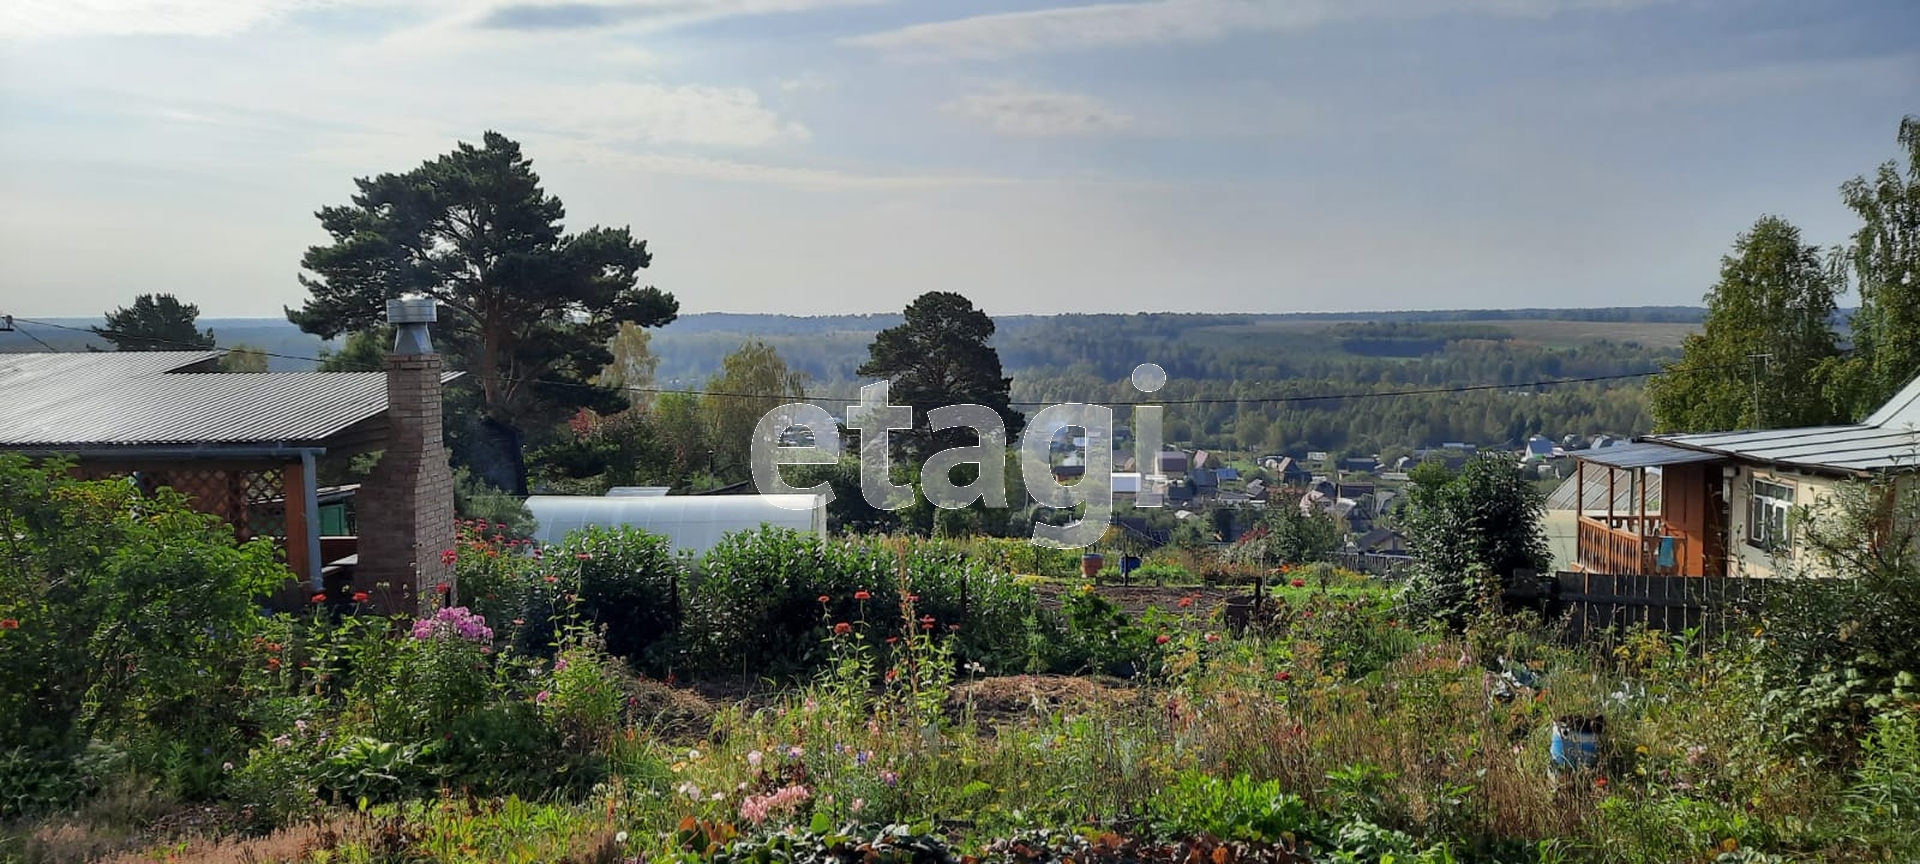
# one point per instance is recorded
(1643, 454)
(1837, 448)
(1888, 440)
(1900, 412)
(126, 399)
(1625, 498)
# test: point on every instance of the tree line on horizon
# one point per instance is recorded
(559, 341)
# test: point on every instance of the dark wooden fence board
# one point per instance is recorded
(1592, 604)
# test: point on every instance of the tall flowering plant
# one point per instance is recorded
(444, 669)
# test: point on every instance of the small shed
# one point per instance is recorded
(241, 446)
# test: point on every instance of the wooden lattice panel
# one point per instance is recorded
(252, 500)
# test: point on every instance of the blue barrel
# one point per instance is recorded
(1575, 748)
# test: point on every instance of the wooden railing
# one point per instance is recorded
(1626, 545)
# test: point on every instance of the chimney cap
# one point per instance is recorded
(412, 309)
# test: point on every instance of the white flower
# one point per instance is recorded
(620, 837)
(693, 755)
(754, 757)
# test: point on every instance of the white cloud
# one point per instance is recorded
(1015, 110)
(805, 82)
(731, 171)
(63, 18)
(653, 113)
(1068, 28)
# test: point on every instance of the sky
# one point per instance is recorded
(1037, 156)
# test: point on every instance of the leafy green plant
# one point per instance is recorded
(1235, 808)
(116, 608)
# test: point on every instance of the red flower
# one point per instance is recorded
(862, 595)
(9, 623)
(273, 647)
(953, 628)
(319, 598)
(273, 663)
(361, 596)
(449, 556)
(892, 674)
(584, 556)
(443, 588)
(1298, 583)
(842, 629)
(1283, 675)
(1186, 602)
(926, 621)
(913, 598)
(824, 599)
(892, 640)
(1600, 782)
(1162, 639)
(552, 579)
(1213, 637)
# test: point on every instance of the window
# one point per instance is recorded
(1767, 507)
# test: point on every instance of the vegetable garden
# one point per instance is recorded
(867, 700)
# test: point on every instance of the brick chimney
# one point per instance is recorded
(405, 508)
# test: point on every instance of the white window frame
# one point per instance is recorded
(1770, 504)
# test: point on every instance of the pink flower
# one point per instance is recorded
(542, 696)
(757, 809)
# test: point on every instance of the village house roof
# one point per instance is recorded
(1889, 439)
(69, 402)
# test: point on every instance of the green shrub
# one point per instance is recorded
(117, 609)
(628, 583)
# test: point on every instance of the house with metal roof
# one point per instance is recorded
(1722, 503)
(242, 446)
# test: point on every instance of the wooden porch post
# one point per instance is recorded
(298, 522)
(1640, 525)
(1579, 489)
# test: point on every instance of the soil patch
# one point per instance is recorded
(1004, 700)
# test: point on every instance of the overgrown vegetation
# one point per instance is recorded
(538, 715)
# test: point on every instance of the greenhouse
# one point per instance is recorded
(691, 523)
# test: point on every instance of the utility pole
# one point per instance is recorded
(1758, 361)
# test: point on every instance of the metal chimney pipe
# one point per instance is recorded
(410, 316)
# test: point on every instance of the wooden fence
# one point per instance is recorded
(1591, 604)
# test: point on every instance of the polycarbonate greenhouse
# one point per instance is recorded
(691, 523)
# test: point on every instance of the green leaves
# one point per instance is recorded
(1775, 298)
(519, 300)
(155, 322)
(941, 356)
(1486, 520)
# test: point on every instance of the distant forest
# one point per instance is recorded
(1271, 383)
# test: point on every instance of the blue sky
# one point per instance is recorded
(827, 156)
